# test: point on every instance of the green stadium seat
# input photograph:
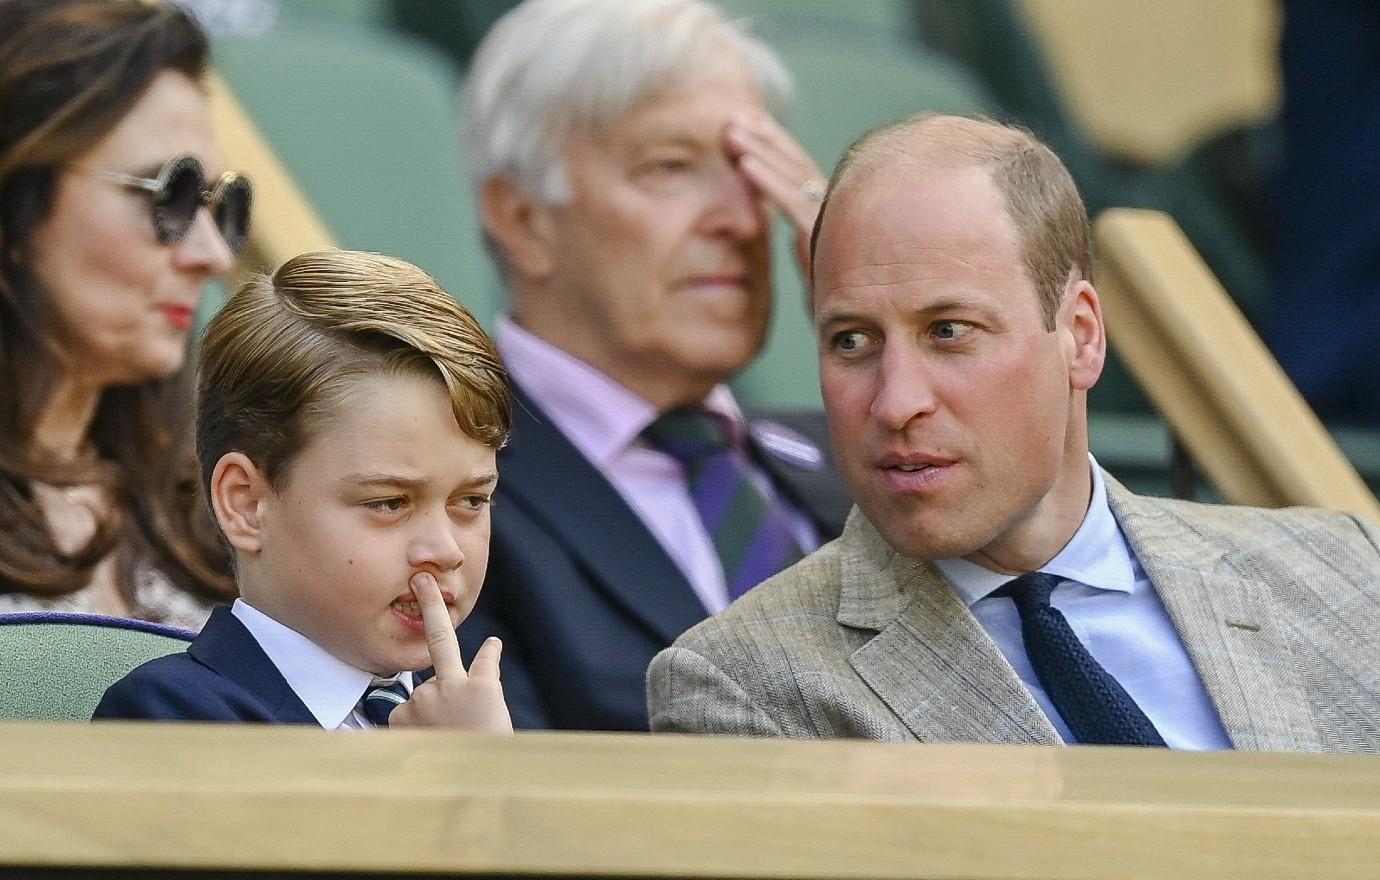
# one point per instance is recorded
(56, 667)
(365, 121)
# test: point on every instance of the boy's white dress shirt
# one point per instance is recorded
(329, 687)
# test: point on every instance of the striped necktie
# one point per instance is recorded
(750, 529)
(383, 696)
(1092, 703)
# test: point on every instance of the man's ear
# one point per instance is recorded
(238, 491)
(521, 227)
(1081, 319)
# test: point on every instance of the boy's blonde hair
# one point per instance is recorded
(286, 348)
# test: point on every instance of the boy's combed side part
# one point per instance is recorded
(285, 348)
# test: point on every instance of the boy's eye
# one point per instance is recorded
(386, 505)
(473, 503)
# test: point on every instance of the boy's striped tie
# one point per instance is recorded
(751, 530)
(383, 696)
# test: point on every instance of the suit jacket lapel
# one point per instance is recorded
(817, 490)
(549, 477)
(931, 662)
(1229, 624)
(225, 647)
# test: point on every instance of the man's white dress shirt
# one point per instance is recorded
(604, 421)
(1116, 613)
(329, 687)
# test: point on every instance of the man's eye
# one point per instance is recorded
(850, 341)
(950, 329)
(666, 166)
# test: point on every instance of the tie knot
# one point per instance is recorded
(688, 434)
(1030, 590)
(381, 698)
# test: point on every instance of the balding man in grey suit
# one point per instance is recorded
(993, 584)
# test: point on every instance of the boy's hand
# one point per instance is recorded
(470, 700)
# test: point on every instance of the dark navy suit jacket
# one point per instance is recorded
(222, 676)
(579, 589)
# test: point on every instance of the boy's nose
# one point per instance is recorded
(435, 547)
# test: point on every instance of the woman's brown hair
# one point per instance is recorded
(69, 72)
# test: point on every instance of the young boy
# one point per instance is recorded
(348, 415)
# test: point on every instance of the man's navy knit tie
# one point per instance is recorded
(751, 531)
(1092, 703)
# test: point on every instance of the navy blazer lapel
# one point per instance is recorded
(544, 472)
(226, 647)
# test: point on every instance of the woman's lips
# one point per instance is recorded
(695, 282)
(179, 316)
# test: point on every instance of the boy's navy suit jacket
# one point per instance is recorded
(222, 676)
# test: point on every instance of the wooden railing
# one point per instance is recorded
(1210, 376)
(139, 797)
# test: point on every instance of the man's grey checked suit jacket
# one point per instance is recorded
(1279, 611)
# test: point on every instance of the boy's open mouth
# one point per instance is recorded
(409, 606)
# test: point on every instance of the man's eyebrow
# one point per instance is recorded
(841, 317)
(947, 304)
(669, 134)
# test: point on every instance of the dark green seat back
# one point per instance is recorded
(365, 121)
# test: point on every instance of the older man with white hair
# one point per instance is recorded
(627, 166)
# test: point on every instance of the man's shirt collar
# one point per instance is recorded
(598, 415)
(1097, 555)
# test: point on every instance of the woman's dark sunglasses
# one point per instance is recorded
(180, 190)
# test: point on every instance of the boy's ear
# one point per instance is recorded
(238, 491)
(520, 225)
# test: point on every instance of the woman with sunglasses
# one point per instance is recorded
(114, 212)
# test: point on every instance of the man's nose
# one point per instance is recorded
(735, 207)
(904, 389)
(434, 545)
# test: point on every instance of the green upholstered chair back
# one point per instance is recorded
(366, 123)
(55, 667)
